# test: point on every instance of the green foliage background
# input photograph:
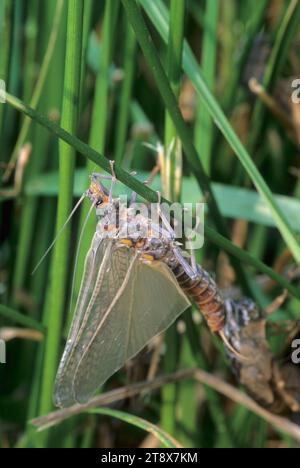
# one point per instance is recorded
(96, 87)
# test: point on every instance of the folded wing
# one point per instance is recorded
(123, 303)
(148, 302)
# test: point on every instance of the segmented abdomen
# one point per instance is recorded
(204, 292)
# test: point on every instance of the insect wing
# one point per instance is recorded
(94, 269)
(148, 301)
(92, 264)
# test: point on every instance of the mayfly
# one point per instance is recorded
(133, 287)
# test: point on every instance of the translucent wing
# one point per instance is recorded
(146, 304)
(92, 264)
(126, 304)
(86, 311)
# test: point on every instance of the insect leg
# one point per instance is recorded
(164, 218)
(152, 174)
(146, 182)
(133, 198)
(190, 271)
(112, 178)
(98, 175)
(192, 251)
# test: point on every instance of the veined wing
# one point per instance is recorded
(103, 276)
(96, 264)
(92, 265)
(147, 303)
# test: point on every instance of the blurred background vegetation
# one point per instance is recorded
(79, 63)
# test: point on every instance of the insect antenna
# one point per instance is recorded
(59, 232)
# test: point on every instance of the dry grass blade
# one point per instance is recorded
(11, 333)
(110, 397)
(22, 162)
(274, 107)
(280, 423)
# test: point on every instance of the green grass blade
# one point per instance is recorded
(204, 127)
(99, 126)
(174, 59)
(146, 192)
(40, 83)
(100, 108)
(164, 87)
(253, 28)
(213, 398)
(192, 70)
(31, 33)
(289, 26)
(234, 202)
(20, 319)
(124, 105)
(150, 53)
(172, 148)
(67, 159)
(285, 34)
(162, 436)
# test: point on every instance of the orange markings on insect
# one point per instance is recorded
(148, 257)
(109, 228)
(127, 242)
(140, 243)
(96, 189)
(205, 294)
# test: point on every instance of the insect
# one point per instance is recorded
(135, 284)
